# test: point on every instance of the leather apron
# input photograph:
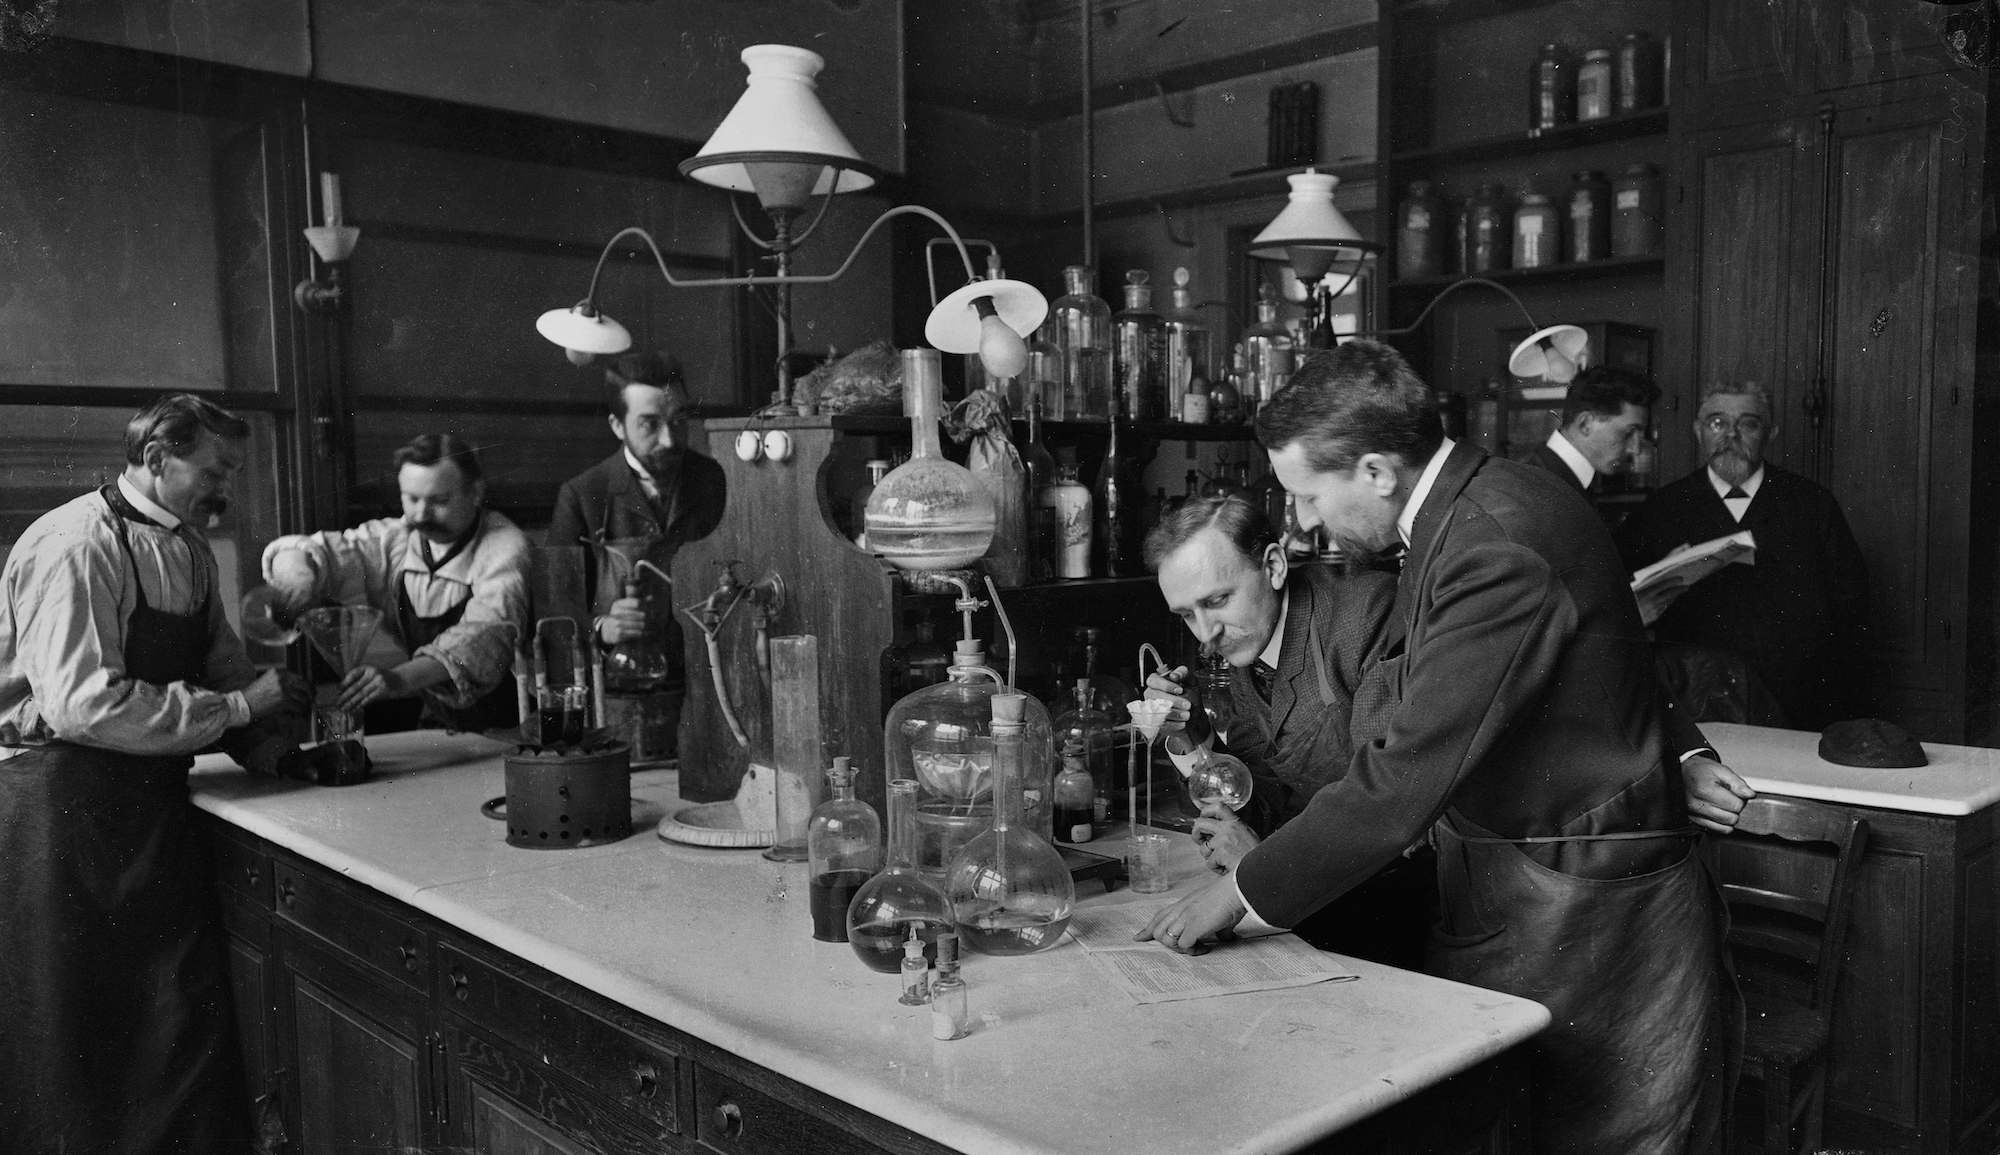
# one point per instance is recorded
(116, 1019)
(498, 708)
(1627, 1064)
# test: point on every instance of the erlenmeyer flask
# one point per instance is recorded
(888, 905)
(1009, 890)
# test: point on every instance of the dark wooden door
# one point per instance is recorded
(361, 1053)
(1739, 56)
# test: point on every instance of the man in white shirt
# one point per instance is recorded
(1604, 419)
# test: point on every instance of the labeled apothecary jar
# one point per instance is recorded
(1637, 82)
(1593, 85)
(1589, 233)
(1489, 235)
(1420, 227)
(1638, 223)
(1551, 88)
(1537, 236)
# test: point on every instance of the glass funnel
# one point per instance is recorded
(928, 513)
(941, 736)
(341, 635)
(1009, 890)
(891, 904)
(844, 846)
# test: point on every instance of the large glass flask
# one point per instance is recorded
(941, 736)
(1095, 737)
(928, 513)
(844, 846)
(1009, 890)
(1079, 330)
(898, 900)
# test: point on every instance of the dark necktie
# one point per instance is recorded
(1735, 491)
(1261, 676)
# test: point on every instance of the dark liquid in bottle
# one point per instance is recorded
(881, 947)
(561, 726)
(831, 893)
(1073, 823)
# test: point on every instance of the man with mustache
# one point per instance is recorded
(1796, 616)
(643, 502)
(1604, 417)
(450, 576)
(117, 665)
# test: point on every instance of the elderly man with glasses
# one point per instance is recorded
(1795, 617)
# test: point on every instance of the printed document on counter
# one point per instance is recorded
(1151, 973)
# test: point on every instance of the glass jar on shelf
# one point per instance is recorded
(1420, 228)
(1637, 83)
(1267, 348)
(1189, 352)
(1589, 230)
(1594, 86)
(1490, 235)
(1138, 344)
(1079, 329)
(1638, 224)
(1551, 88)
(1536, 235)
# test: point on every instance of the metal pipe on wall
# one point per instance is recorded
(1089, 149)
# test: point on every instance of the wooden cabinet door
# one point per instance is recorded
(361, 1055)
(1738, 57)
(1857, 42)
(1901, 248)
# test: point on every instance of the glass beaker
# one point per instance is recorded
(889, 905)
(1009, 890)
(844, 846)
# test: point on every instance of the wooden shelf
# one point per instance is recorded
(1630, 126)
(1609, 267)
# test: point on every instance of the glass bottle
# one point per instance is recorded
(1138, 344)
(1009, 890)
(900, 899)
(929, 512)
(1095, 735)
(1461, 235)
(1188, 352)
(1536, 235)
(1637, 227)
(1637, 85)
(1044, 372)
(1080, 331)
(1593, 85)
(1551, 88)
(1420, 228)
(1069, 514)
(1589, 217)
(1114, 501)
(1488, 236)
(1212, 775)
(844, 846)
(1195, 403)
(941, 736)
(636, 666)
(878, 468)
(951, 1012)
(1038, 468)
(1267, 348)
(916, 968)
(1076, 796)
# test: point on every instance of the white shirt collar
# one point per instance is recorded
(1270, 655)
(1406, 522)
(1750, 485)
(1577, 462)
(146, 505)
(637, 468)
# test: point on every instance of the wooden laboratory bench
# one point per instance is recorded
(1916, 1027)
(409, 981)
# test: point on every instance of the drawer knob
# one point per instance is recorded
(250, 876)
(287, 892)
(409, 956)
(729, 1119)
(461, 984)
(645, 1078)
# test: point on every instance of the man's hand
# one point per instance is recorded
(277, 692)
(1172, 686)
(624, 622)
(296, 582)
(1715, 793)
(364, 684)
(1188, 926)
(1222, 837)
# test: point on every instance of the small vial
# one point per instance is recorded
(951, 1018)
(916, 972)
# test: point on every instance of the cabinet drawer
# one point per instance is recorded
(240, 866)
(626, 1071)
(735, 1118)
(336, 911)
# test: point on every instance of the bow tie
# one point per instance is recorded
(1735, 491)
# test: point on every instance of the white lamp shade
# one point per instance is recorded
(1311, 234)
(581, 329)
(779, 121)
(954, 325)
(1553, 354)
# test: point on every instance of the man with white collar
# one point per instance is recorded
(117, 665)
(1604, 418)
(1531, 738)
(450, 577)
(1797, 616)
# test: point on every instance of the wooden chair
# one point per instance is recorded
(1786, 874)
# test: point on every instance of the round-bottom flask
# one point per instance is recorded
(1009, 890)
(1212, 775)
(890, 905)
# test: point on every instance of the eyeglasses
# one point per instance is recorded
(1748, 425)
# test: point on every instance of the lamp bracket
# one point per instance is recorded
(964, 250)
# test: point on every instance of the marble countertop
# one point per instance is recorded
(718, 943)
(1960, 780)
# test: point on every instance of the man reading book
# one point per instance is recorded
(1796, 615)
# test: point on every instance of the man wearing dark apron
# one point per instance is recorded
(114, 993)
(1531, 736)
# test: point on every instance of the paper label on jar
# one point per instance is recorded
(1530, 226)
(1419, 219)
(1628, 198)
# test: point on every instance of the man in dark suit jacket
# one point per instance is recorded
(1796, 616)
(642, 502)
(1604, 418)
(1300, 639)
(1531, 737)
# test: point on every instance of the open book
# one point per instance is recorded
(1657, 585)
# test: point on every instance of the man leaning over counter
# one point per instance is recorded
(450, 576)
(116, 666)
(1531, 738)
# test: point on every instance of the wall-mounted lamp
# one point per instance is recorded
(333, 243)
(1314, 237)
(1555, 354)
(779, 143)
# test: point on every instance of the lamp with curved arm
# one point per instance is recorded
(1556, 353)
